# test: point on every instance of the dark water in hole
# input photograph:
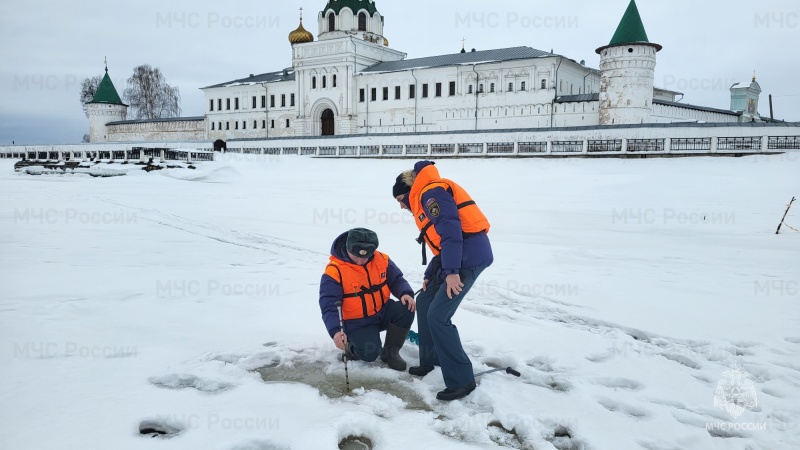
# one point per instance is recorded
(333, 385)
(355, 443)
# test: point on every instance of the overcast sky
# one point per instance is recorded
(47, 48)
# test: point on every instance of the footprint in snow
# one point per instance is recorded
(260, 444)
(160, 428)
(622, 408)
(183, 381)
(619, 383)
(562, 439)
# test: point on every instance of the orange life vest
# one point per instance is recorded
(365, 288)
(472, 219)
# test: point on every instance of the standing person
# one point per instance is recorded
(364, 279)
(455, 230)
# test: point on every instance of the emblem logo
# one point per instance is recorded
(735, 393)
(433, 208)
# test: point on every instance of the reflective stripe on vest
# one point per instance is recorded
(364, 287)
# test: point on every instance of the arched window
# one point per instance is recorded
(544, 84)
(334, 81)
(313, 82)
(522, 86)
(324, 82)
(362, 21)
(331, 22)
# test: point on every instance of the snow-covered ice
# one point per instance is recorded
(630, 294)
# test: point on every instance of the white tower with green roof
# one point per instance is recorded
(627, 67)
(105, 107)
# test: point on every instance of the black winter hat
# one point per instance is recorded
(361, 242)
(400, 187)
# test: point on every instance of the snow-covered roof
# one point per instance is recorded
(455, 59)
(270, 77)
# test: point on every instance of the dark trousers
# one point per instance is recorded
(366, 341)
(439, 342)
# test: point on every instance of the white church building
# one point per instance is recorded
(349, 81)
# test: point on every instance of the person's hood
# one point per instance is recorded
(425, 172)
(410, 176)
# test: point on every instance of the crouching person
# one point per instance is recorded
(363, 280)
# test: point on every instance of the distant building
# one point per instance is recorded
(349, 81)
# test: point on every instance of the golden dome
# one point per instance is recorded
(385, 42)
(300, 35)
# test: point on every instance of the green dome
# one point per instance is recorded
(106, 93)
(354, 5)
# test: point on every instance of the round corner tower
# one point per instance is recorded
(627, 73)
(105, 107)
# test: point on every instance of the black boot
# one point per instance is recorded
(395, 338)
(450, 394)
(420, 371)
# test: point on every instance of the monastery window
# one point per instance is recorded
(510, 87)
(438, 89)
(228, 104)
(334, 81)
(452, 88)
(219, 104)
(291, 100)
(283, 100)
(271, 101)
(255, 124)
(212, 126)
(236, 125)
(287, 123)
(571, 88)
(263, 124)
(397, 92)
(211, 107)
(425, 90)
(272, 123)
(236, 103)
(469, 89)
(412, 91)
(374, 94)
(544, 84)
(219, 126)
(331, 22)
(244, 124)
(227, 125)
(263, 101)
(324, 82)
(522, 86)
(313, 82)
(361, 94)
(480, 88)
(362, 21)
(255, 102)
(385, 93)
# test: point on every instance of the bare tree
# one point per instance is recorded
(88, 88)
(149, 96)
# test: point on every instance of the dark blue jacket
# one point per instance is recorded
(331, 292)
(458, 251)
